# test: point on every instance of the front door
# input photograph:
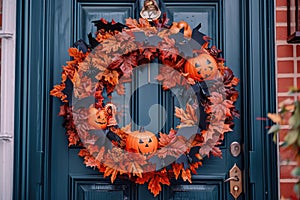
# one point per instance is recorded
(47, 169)
(70, 178)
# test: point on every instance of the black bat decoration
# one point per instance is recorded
(68, 90)
(81, 46)
(202, 92)
(93, 42)
(186, 46)
(161, 162)
(109, 26)
(197, 35)
(103, 134)
(142, 38)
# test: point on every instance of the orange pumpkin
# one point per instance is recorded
(97, 118)
(144, 142)
(177, 26)
(204, 66)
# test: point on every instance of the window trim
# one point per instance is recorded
(7, 98)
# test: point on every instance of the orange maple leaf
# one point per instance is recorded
(90, 161)
(57, 92)
(165, 139)
(159, 178)
(73, 138)
(111, 76)
(186, 175)
(83, 152)
(220, 106)
(187, 117)
(175, 148)
(145, 178)
(76, 54)
(177, 169)
(111, 172)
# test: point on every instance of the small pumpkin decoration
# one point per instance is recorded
(177, 26)
(204, 66)
(144, 142)
(97, 118)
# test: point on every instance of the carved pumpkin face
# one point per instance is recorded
(97, 118)
(203, 66)
(144, 142)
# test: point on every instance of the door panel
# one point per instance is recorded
(74, 180)
(91, 187)
(86, 12)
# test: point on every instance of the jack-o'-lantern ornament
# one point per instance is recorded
(202, 67)
(144, 142)
(97, 118)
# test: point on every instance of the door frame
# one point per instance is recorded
(33, 82)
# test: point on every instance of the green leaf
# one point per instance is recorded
(291, 137)
(297, 187)
(294, 121)
(296, 172)
(274, 129)
(293, 90)
(275, 138)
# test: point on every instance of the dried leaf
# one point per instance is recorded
(276, 118)
(134, 164)
(187, 117)
(111, 76)
(73, 138)
(186, 175)
(155, 183)
(165, 139)
(175, 148)
(90, 161)
(177, 169)
(57, 92)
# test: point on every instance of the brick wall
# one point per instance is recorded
(288, 74)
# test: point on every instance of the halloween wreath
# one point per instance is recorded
(102, 67)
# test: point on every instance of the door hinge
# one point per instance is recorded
(6, 35)
(6, 138)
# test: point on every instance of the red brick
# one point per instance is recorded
(298, 82)
(282, 134)
(285, 51)
(281, 16)
(285, 171)
(281, 33)
(284, 84)
(281, 2)
(298, 67)
(280, 99)
(287, 154)
(298, 50)
(287, 191)
(285, 66)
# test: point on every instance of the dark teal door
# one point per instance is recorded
(45, 168)
(69, 176)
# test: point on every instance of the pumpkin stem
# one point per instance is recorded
(142, 129)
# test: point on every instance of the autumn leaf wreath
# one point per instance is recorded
(103, 66)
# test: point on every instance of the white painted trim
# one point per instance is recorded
(7, 99)
(276, 85)
(289, 180)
